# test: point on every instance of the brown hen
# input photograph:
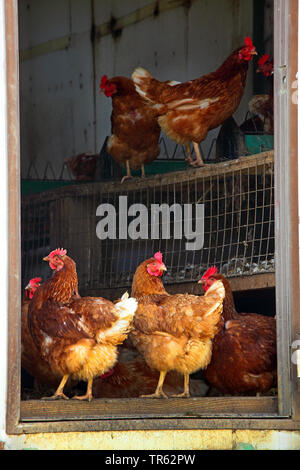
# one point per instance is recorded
(130, 379)
(263, 105)
(187, 111)
(31, 360)
(173, 332)
(134, 140)
(83, 166)
(78, 337)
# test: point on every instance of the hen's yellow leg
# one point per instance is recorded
(159, 393)
(186, 392)
(199, 160)
(89, 395)
(59, 392)
(188, 155)
(128, 171)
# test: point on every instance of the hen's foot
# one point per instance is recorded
(59, 394)
(126, 178)
(189, 161)
(128, 172)
(186, 388)
(196, 164)
(155, 395)
(199, 160)
(56, 396)
(89, 392)
(87, 397)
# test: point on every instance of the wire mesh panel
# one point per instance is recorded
(46, 171)
(152, 214)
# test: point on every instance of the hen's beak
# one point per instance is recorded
(46, 258)
(163, 268)
(201, 281)
(27, 287)
(253, 53)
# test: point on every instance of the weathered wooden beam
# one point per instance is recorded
(238, 284)
(208, 171)
(42, 410)
(47, 47)
(152, 10)
(14, 249)
(264, 424)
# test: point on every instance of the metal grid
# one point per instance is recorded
(238, 198)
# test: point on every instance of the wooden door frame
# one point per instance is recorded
(14, 221)
(289, 219)
(287, 211)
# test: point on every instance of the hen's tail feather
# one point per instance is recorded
(146, 86)
(118, 332)
(216, 289)
(212, 317)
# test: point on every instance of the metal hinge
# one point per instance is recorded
(296, 358)
(283, 84)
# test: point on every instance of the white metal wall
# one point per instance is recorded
(62, 112)
(56, 92)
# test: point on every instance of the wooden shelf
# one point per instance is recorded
(238, 284)
(103, 409)
(250, 164)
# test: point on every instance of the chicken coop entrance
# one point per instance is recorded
(69, 170)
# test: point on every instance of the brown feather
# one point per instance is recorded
(134, 128)
(173, 332)
(244, 350)
(133, 378)
(77, 336)
(31, 359)
(187, 111)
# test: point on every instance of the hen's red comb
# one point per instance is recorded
(263, 59)
(103, 82)
(57, 252)
(35, 280)
(106, 87)
(158, 256)
(210, 272)
(248, 42)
